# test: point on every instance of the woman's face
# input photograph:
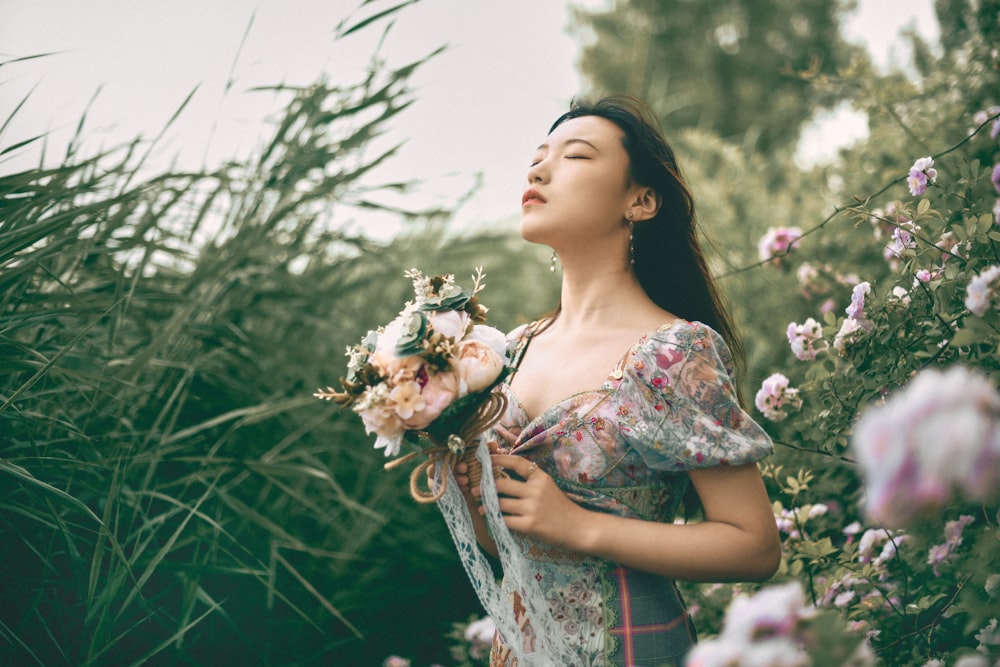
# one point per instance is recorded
(577, 187)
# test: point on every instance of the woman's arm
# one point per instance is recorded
(737, 541)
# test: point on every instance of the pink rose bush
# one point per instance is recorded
(939, 434)
(433, 360)
(774, 628)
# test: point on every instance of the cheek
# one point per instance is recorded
(600, 200)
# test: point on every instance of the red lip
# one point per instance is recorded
(531, 196)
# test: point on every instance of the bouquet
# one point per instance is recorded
(428, 377)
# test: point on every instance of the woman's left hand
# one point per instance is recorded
(536, 506)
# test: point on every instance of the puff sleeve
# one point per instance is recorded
(680, 409)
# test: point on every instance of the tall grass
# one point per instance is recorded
(171, 492)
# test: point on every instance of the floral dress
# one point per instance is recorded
(625, 449)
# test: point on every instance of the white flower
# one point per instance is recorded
(390, 444)
(844, 599)
(819, 509)
(389, 335)
(775, 653)
(988, 635)
(774, 611)
(479, 634)
(979, 294)
(972, 660)
(847, 334)
(450, 323)
(716, 653)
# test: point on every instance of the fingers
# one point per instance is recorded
(517, 464)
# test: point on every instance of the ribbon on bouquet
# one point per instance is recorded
(455, 449)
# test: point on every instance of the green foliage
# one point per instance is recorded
(172, 491)
(731, 68)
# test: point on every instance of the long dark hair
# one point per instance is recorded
(669, 262)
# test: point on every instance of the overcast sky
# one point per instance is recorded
(482, 105)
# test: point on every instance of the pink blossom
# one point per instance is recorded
(950, 246)
(921, 173)
(939, 433)
(803, 339)
(872, 539)
(395, 661)
(995, 177)
(809, 276)
(857, 308)
(903, 239)
(438, 393)
(979, 293)
(768, 629)
(777, 242)
(775, 395)
(981, 117)
(945, 552)
(996, 212)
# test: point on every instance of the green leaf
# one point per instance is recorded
(816, 550)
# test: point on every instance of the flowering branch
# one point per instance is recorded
(837, 210)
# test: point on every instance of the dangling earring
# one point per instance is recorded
(631, 240)
(553, 262)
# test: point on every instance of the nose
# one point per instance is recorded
(537, 172)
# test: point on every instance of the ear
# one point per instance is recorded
(645, 203)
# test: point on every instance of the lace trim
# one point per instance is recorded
(612, 619)
(549, 646)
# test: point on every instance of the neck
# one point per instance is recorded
(600, 295)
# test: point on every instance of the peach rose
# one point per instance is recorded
(439, 392)
(478, 366)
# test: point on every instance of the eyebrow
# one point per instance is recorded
(575, 140)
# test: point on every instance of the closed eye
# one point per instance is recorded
(577, 157)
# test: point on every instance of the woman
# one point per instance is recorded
(622, 409)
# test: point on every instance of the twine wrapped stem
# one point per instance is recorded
(458, 447)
